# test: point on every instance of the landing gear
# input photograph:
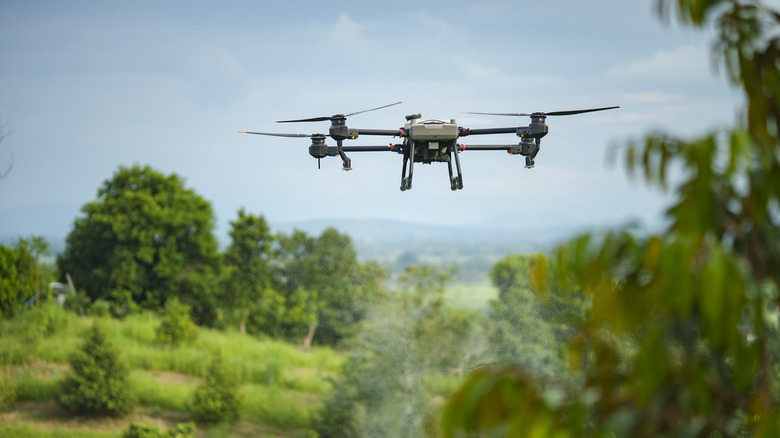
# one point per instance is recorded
(456, 182)
(406, 179)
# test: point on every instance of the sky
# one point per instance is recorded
(89, 86)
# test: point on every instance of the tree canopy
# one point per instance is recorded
(145, 238)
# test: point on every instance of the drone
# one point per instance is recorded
(427, 141)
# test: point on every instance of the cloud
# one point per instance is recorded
(683, 64)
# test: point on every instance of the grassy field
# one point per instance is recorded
(282, 385)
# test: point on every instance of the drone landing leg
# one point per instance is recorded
(406, 181)
(453, 181)
(457, 165)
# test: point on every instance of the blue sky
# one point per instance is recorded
(87, 86)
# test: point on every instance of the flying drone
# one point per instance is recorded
(427, 141)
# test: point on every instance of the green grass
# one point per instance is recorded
(470, 295)
(282, 385)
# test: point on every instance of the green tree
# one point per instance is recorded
(21, 273)
(346, 288)
(522, 325)
(176, 326)
(217, 399)
(98, 381)
(664, 350)
(145, 239)
(247, 285)
(405, 339)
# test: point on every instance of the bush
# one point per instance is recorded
(217, 399)
(148, 430)
(98, 383)
(7, 390)
(176, 327)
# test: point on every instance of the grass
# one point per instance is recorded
(282, 385)
(470, 295)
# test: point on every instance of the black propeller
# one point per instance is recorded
(284, 135)
(335, 116)
(553, 113)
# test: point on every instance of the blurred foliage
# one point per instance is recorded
(151, 430)
(217, 399)
(176, 327)
(7, 390)
(22, 277)
(681, 338)
(389, 383)
(98, 382)
(145, 239)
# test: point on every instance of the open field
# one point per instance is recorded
(282, 385)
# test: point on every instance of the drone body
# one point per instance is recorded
(427, 141)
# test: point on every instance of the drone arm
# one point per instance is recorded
(388, 148)
(484, 131)
(384, 132)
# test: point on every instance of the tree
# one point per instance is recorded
(217, 399)
(98, 381)
(345, 287)
(176, 327)
(145, 239)
(404, 339)
(664, 351)
(247, 284)
(20, 273)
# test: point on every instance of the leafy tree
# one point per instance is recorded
(521, 331)
(345, 287)
(98, 381)
(145, 239)
(247, 284)
(664, 350)
(20, 273)
(217, 400)
(176, 327)
(326, 290)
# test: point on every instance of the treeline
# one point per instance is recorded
(148, 239)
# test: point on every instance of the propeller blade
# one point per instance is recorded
(313, 119)
(335, 116)
(283, 135)
(572, 112)
(553, 113)
(372, 109)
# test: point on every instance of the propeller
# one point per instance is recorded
(284, 135)
(553, 113)
(335, 116)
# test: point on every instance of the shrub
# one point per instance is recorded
(217, 399)
(98, 383)
(7, 390)
(176, 327)
(149, 430)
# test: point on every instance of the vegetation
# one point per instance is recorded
(217, 399)
(664, 349)
(146, 239)
(176, 327)
(617, 334)
(98, 382)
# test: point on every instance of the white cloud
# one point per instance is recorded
(683, 64)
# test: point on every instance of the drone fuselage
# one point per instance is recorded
(432, 139)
